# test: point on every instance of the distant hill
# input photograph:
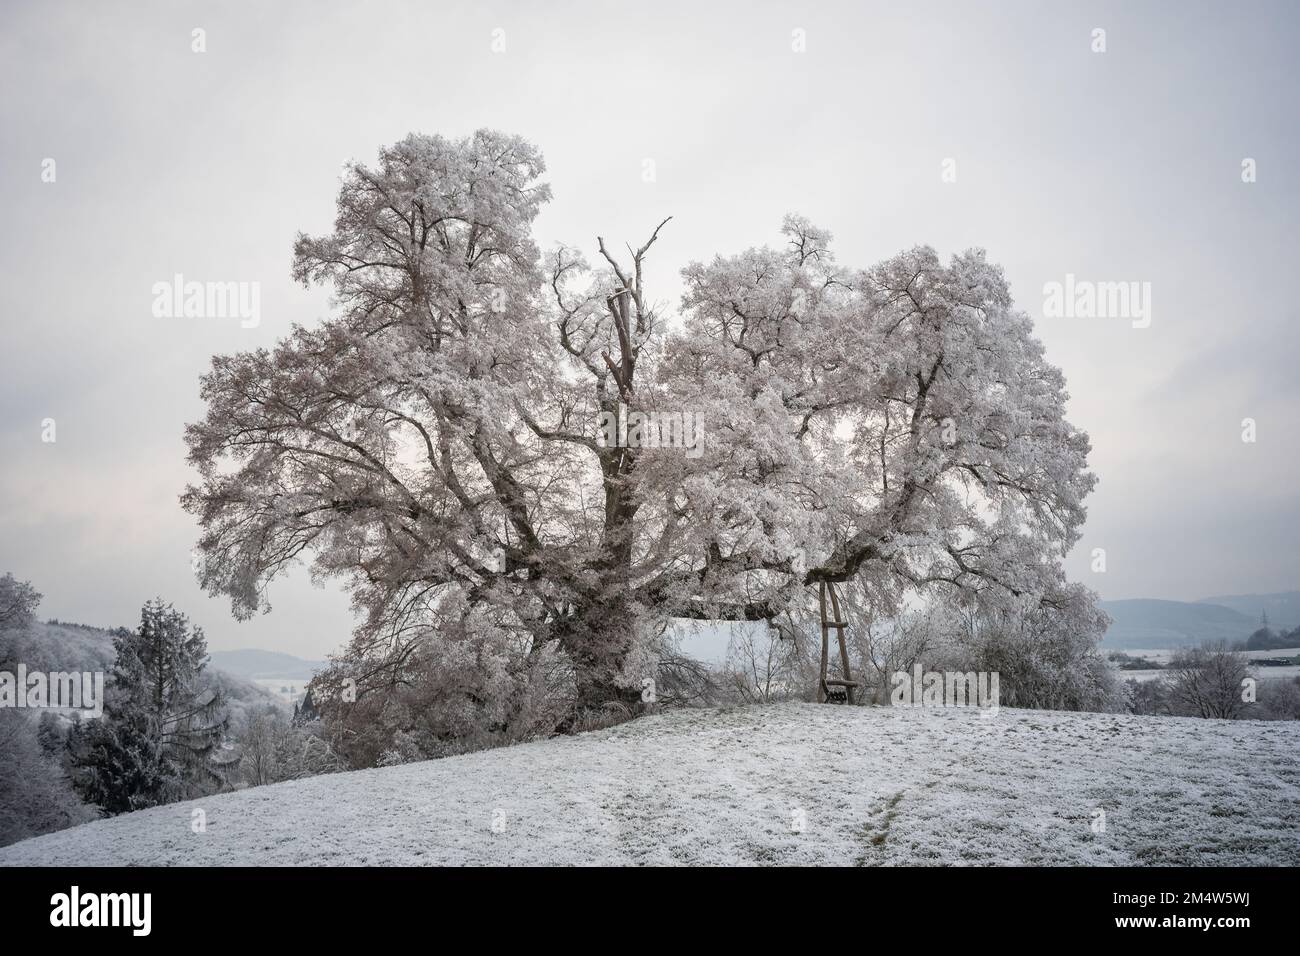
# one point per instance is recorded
(1283, 608)
(252, 663)
(1149, 623)
(60, 646)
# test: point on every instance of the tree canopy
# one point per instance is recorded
(439, 444)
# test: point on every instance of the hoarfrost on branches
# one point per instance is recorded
(437, 442)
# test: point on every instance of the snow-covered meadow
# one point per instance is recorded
(1164, 656)
(781, 784)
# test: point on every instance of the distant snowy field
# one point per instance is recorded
(1163, 656)
(288, 690)
(783, 784)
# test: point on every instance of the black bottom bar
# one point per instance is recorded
(302, 906)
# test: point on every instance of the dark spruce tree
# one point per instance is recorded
(156, 740)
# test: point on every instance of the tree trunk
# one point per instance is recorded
(596, 692)
(599, 642)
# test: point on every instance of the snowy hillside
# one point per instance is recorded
(786, 784)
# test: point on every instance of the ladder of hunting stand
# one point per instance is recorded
(834, 690)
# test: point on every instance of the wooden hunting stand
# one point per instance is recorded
(834, 690)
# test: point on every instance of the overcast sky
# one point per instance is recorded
(1124, 165)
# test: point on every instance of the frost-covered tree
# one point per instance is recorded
(161, 726)
(1207, 681)
(35, 795)
(258, 740)
(897, 425)
(443, 442)
(1046, 655)
(473, 687)
(272, 749)
(761, 666)
(18, 602)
